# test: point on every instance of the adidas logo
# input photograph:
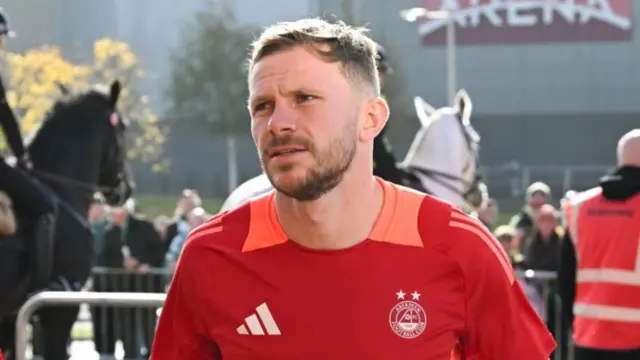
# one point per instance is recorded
(253, 323)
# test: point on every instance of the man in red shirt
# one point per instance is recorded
(336, 263)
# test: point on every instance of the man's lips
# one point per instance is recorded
(284, 150)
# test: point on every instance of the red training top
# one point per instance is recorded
(430, 283)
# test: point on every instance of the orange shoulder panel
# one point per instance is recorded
(397, 222)
(264, 228)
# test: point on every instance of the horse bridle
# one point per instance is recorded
(88, 187)
(441, 177)
(76, 183)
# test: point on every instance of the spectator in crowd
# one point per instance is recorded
(99, 221)
(543, 245)
(161, 222)
(188, 201)
(132, 243)
(195, 218)
(489, 214)
(184, 228)
(505, 234)
(544, 253)
(537, 195)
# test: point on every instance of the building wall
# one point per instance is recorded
(532, 78)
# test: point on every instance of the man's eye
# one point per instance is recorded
(261, 106)
(305, 97)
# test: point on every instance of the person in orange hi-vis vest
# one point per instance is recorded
(599, 276)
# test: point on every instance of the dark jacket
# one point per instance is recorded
(142, 239)
(9, 125)
(544, 254)
(170, 233)
(523, 220)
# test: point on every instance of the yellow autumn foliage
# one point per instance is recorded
(31, 79)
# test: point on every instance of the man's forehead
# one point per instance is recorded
(290, 73)
(295, 67)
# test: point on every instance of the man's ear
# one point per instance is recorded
(376, 113)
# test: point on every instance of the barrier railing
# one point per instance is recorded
(517, 177)
(48, 298)
(552, 313)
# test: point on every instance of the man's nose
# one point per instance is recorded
(283, 119)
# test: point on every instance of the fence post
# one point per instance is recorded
(76, 298)
(526, 178)
(568, 178)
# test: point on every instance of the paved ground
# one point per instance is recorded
(84, 350)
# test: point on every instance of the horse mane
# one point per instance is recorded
(69, 111)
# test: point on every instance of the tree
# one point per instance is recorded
(115, 60)
(31, 85)
(32, 90)
(208, 82)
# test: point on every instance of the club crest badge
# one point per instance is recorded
(408, 319)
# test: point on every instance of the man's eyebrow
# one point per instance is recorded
(307, 89)
(259, 98)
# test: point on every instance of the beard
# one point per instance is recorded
(331, 163)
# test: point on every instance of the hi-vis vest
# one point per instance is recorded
(606, 237)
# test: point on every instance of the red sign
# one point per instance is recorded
(530, 21)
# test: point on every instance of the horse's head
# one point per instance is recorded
(83, 140)
(444, 152)
(115, 178)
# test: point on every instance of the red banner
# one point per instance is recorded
(530, 21)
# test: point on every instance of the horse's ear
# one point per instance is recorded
(64, 90)
(463, 105)
(423, 110)
(114, 92)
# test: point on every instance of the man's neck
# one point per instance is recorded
(334, 221)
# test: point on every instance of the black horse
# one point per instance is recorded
(79, 150)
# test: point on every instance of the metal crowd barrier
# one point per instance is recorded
(49, 298)
(118, 297)
(133, 327)
(103, 325)
(553, 313)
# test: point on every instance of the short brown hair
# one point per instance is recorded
(350, 46)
